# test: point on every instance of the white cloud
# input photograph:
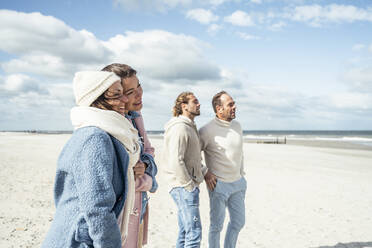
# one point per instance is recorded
(347, 13)
(360, 78)
(240, 18)
(370, 48)
(246, 36)
(201, 15)
(159, 5)
(42, 64)
(214, 28)
(213, 2)
(47, 52)
(358, 47)
(47, 46)
(359, 101)
(167, 63)
(165, 5)
(273, 100)
(256, 1)
(277, 26)
(57, 50)
(164, 55)
(29, 103)
(306, 13)
(19, 83)
(26, 33)
(35, 111)
(316, 15)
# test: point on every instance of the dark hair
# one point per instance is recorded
(216, 101)
(101, 103)
(121, 70)
(184, 97)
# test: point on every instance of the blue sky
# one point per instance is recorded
(289, 64)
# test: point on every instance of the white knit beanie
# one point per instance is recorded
(89, 85)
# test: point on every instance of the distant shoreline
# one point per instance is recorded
(320, 144)
(37, 131)
(337, 144)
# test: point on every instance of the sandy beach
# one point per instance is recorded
(298, 196)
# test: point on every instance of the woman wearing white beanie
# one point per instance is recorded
(95, 178)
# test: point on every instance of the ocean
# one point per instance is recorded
(361, 137)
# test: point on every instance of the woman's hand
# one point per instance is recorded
(139, 169)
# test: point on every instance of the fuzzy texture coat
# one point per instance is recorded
(121, 128)
(90, 191)
(181, 154)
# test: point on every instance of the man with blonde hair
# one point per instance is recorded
(222, 142)
(183, 164)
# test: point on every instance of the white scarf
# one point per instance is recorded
(118, 126)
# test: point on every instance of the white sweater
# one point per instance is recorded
(222, 143)
(181, 154)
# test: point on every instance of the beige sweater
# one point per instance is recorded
(222, 143)
(182, 155)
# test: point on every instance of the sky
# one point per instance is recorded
(288, 64)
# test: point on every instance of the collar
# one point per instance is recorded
(132, 115)
(185, 118)
(222, 123)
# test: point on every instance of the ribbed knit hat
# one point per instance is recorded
(89, 85)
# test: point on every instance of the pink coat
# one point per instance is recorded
(143, 183)
(146, 142)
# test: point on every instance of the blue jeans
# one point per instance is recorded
(189, 223)
(230, 195)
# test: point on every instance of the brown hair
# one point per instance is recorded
(101, 103)
(182, 98)
(216, 101)
(122, 71)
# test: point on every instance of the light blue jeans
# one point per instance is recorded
(230, 195)
(189, 223)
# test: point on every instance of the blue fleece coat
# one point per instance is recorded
(90, 191)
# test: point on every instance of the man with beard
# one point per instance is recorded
(222, 142)
(183, 165)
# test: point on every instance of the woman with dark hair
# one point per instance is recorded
(95, 173)
(138, 227)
